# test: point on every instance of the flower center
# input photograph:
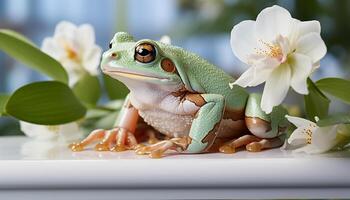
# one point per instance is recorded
(71, 54)
(309, 136)
(308, 133)
(270, 50)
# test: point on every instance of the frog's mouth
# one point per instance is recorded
(132, 74)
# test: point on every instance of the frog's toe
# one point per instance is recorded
(94, 136)
(76, 146)
(107, 141)
(125, 140)
(157, 150)
(227, 149)
(254, 147)
(231, 146)
(264, 144)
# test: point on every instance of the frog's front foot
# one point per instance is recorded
(117, 139)
(158, 149)
(251, 143)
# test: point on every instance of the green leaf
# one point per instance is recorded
(336, 87)
(47, 103)
(114, 88)
(316, 103)
(22, 49)
(3, 101)
(96, 113)
(88, 89)
(278, 118)
(108, 121)
(334, 119)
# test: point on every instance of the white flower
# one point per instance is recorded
(60, 133)
(74, 47)
(279, 50)
(310, 138)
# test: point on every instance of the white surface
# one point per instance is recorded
(36, 169)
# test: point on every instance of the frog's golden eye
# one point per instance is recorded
(145, 53)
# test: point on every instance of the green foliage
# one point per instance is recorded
(277, 118)
(316, 103)
(22, 49)
(3, 101)
(114, 88)
(9, 126)
(336, 87)
(88, 90)
(47, 103)
(334, 119)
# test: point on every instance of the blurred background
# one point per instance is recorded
(201, 26)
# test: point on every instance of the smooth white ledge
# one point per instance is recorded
(27, 166)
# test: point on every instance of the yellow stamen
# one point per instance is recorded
(71, 53)
(272, 50)
(308, 132)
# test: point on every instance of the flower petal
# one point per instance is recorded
(65, 29)
(86, 36)
(306, 27)
(91, 59)
(273, 21)
(299, 122)
(276, 87)
(301, 69)
(262, 70)
(309, 149)
(70, 132)
(37, 131)
(258, 73)
(53, 49)
(311, 45)
(245, 79)
(298, 137)
(243, 40)
(324, 138)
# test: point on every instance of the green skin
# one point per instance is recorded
(194, 75)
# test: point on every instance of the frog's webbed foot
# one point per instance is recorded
(158, 149)
(251, 143)
(117, 139)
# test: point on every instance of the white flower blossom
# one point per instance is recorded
(280, 51)
(312, 139)
(74, 47)
(58, 133)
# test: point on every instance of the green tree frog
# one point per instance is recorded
(184, 97)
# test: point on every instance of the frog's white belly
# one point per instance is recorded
(173, 125)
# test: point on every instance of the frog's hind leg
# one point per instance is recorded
(266, 129)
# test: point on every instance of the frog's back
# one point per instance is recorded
(205, 77)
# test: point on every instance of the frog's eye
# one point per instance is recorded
(145, 53)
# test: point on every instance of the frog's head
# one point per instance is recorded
(143, 61)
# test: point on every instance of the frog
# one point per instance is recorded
(184, 97)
